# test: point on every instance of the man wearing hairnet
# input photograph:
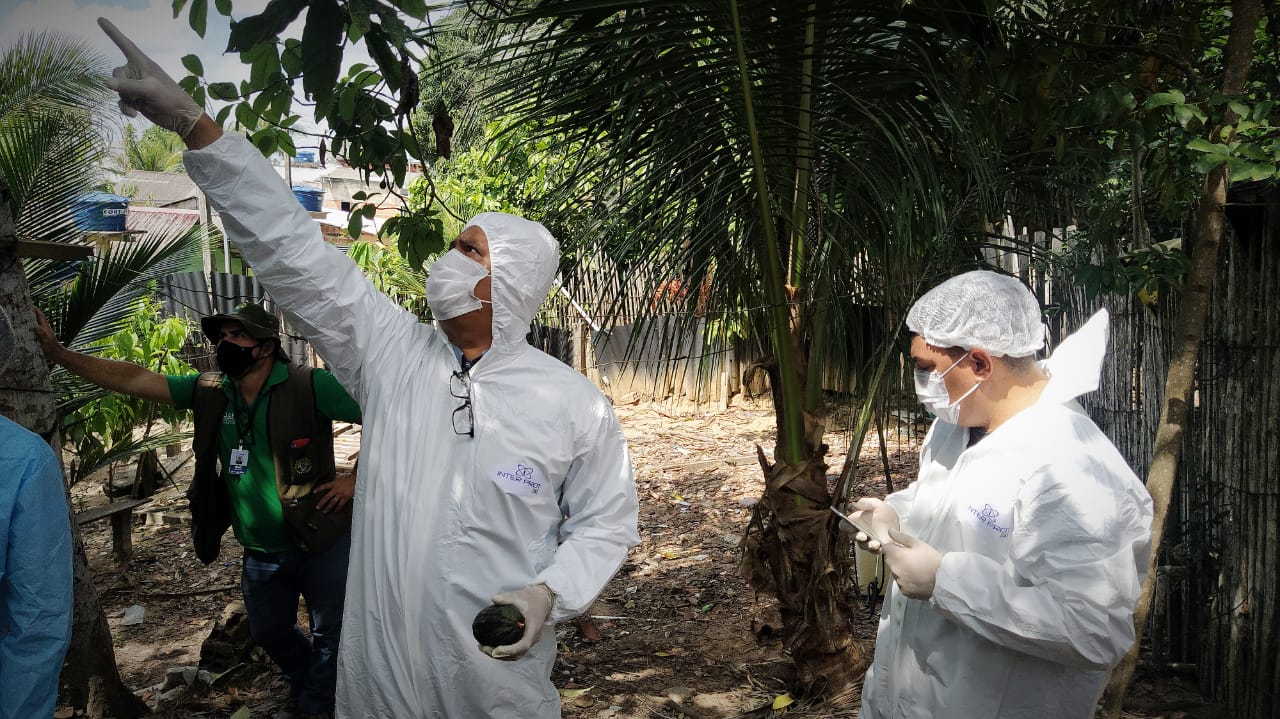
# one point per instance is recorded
(35, 566)
(489, 471)
(1018, 552)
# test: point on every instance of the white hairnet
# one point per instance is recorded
(523, 257)
(980, 310)
(6, 340)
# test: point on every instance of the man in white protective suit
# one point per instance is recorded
(1018, 553)
(489, 471)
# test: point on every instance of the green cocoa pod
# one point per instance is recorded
(498, 625)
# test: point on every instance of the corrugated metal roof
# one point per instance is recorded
(160, 189)
(160, 220)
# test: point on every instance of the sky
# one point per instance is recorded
(152, 27)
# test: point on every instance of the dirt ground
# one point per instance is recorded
(678, 629)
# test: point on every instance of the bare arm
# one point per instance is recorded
(203, 134)
(123, 377)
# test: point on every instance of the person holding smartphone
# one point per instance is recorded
(1018, 553)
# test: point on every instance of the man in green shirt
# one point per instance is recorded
(264, 465)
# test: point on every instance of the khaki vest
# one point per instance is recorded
(291, 416)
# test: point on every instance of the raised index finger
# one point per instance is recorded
(131, 51)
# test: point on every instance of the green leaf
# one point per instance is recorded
(360, 22)
(321, 54)
(223, 114)
(291, 57)
(266, 25)
(192, 64)
(285, 142)
(265, 140)
(1202, 145)
(223, 7)
(416, 9)
(1262, 171)
(177, 7)
(199, 16)
(354, 223)
(376, 43)
(282, 102)
(224, 91)
(260, 104)
(1160, 99)
(1239, 108)
(245, 116)
(1186, 113)
(347, 103)
(411, 145)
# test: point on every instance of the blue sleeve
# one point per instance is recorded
(35, 587)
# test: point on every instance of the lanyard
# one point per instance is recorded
(244, 425)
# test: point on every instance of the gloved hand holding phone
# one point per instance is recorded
(872, 521)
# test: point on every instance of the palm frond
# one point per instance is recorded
(52, 94)
(663, 187)
(94, 300)
(95, 457)
(50, 70)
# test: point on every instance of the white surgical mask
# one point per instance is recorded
(931, 390)
(451, 285)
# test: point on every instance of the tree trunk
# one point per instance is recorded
(90, 677)
(1206, 234)
(26, 397)
(793, 550)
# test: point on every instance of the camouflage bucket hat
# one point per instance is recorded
(258, 323)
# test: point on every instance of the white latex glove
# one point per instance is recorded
(145, 87)
(534, 602)
(879, 515)
(913, 564)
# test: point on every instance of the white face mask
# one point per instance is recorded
(931, 390)
(451, 285)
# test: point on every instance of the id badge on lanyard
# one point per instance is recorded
(239, 460)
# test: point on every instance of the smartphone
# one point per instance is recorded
(863, 526)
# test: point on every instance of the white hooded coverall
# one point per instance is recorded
(1045, 534)
(443, 521)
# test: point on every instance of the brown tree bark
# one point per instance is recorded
(1206, 237)
(90, 675)
(793, 551)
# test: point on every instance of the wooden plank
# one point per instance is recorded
(122, 536)
(107, 510)
(53, 250)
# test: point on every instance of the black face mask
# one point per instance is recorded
(233, 359)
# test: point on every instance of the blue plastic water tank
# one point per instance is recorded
(100, 212)
(312, 199)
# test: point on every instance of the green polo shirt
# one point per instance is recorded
(256, 516)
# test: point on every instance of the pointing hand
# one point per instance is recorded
(145, 87)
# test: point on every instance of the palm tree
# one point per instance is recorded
(51, 93)
(157, 150)
(799, 164)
